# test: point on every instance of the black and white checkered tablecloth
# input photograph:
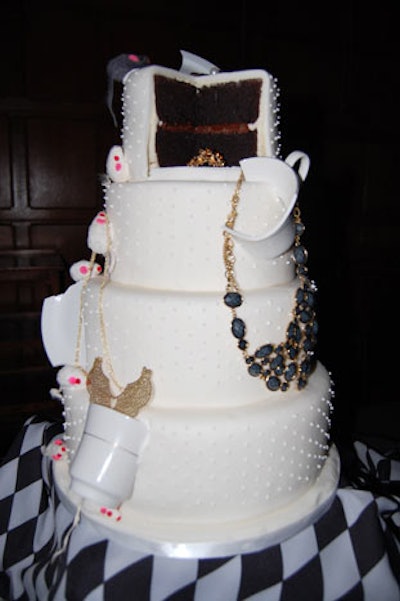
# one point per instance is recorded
(352, 553)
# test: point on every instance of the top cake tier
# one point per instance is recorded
(169, 116)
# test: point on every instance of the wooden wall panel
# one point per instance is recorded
(61, 163)
(5, 168)
(69, 239)
(6, 236)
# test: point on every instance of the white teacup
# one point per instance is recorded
(283, 179)
(105, 464)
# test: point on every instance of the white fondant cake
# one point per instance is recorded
(232, 437)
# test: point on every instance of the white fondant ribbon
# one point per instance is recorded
(193, 64)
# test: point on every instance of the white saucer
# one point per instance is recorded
(161, 538)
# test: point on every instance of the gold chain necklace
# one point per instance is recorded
(128, 399)
(107, 363)
(291, 360)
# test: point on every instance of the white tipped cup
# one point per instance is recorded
(284, 182)
(105, 464)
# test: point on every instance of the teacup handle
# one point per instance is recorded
(297, 156)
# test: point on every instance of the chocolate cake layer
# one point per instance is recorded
(178, 102)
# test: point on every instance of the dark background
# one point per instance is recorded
(337, 68)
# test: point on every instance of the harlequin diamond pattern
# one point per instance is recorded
(351, 553)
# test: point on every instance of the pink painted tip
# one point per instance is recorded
(134, 58)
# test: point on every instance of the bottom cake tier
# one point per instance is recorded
(228, 469)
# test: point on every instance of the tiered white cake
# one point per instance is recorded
(235, 451)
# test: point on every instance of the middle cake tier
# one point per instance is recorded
(185, 338)
(168, 234)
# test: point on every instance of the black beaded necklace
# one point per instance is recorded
(291, 360)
